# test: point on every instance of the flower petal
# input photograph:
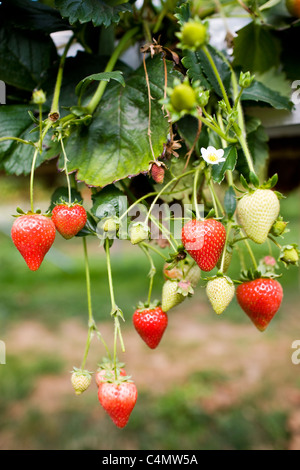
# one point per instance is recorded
(220, 153)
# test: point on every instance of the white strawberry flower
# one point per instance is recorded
(212, 155)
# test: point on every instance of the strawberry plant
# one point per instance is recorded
(164, 125)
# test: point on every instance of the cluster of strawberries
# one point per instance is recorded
(205, 240)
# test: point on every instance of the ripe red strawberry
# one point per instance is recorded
(158, 172)
(204, 240)
(260, 299)
(150, 323)
(33, 235)
(118, 400)
(69, 219)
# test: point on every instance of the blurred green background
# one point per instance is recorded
(214, 382)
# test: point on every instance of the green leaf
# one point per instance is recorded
(109, 202)
(261, 93)
(25, 57)
(218, 171)
(199, 68)
(194, 68)
(15, 157)
(28, 15)
(106, 76)
(255, 48)
(97, 11)
(230, 201)
(116, 144)
(188, 129)
(182, 13)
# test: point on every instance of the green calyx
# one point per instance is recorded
(289, 255)
(20, 212)
(139, 232)
(185, 98)
(279, 227)
(81, 372)
(145, 305)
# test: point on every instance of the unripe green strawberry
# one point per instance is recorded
(81, 380)
(110, 225)
(220, 292)
(138, 232)
(192, 35)
(289, 254)
(174, 292)
(183, 97)
(279, 227)
(257, 212)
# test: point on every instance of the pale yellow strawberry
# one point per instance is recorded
(257, 212)
(81, 380)
(220, 292)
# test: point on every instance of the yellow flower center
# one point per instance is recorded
(212, 157)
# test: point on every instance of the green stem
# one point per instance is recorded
(66, 169)
(55, 101)
(151, 272)
(41, 127)
(88, 280)
(246, 151)
(251, 254)
(22, 141)
(155, 250)
(240, 131)
(215, 197)
(167, 234)
(164, 188)
(91, 322)
(110, 281)
(225, 246)
(32, 178)
(92, 105)
(217, 75)
(228, 173)
(195, 189)
(240, 128)
(275, 242)
(216, 129)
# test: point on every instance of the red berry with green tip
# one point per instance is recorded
(150, 323)
(33, 235)
(260, 299)
(204, 240)
(69, 219)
